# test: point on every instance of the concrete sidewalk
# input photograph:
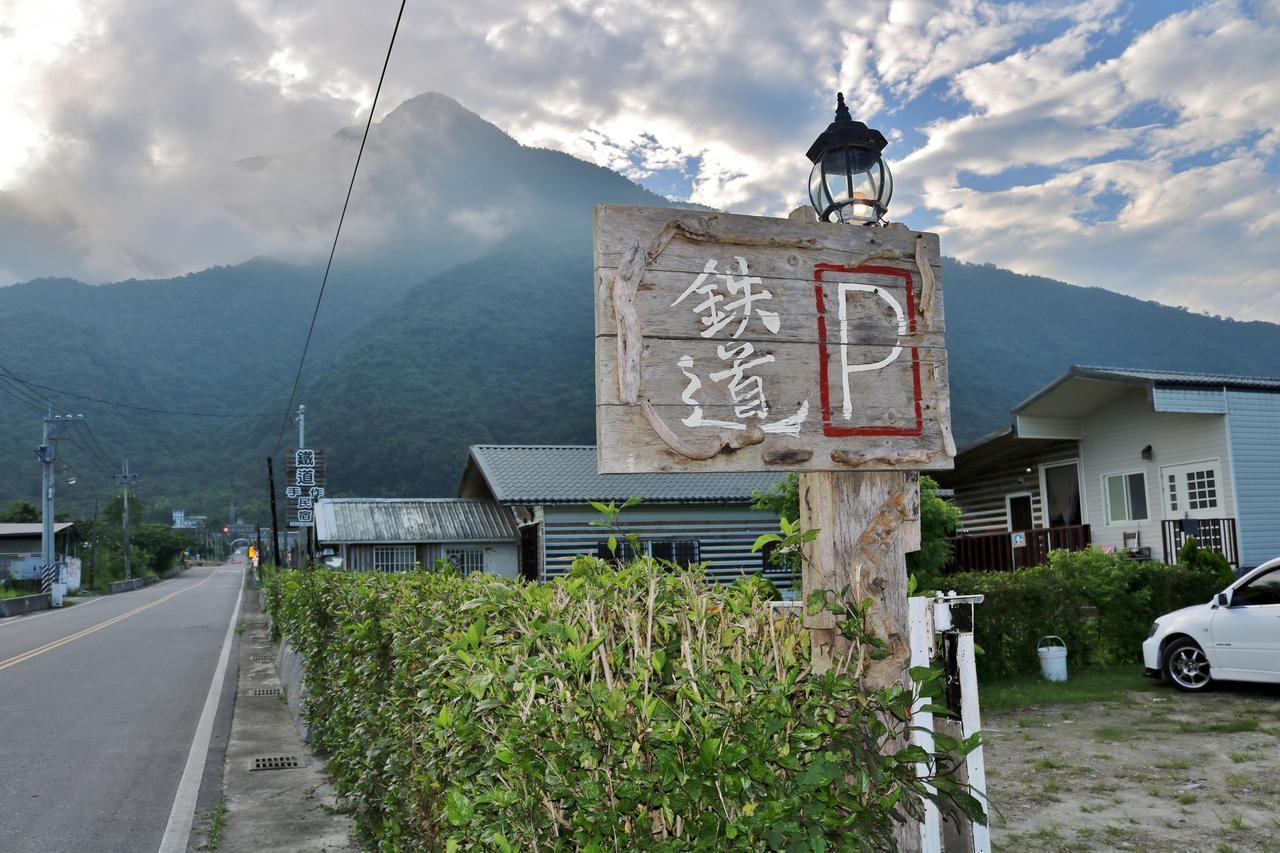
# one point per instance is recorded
(290, 809)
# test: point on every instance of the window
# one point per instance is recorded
(465, 560)
(624, 553)
(1126, 497)
(394, 558)
(1173, 493)
(1202, 489)
(1264, 589)
(682, 552)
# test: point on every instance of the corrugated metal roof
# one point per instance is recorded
(33, 529)
(567, 474)
(353, 520)
(1150, 378)
(1174, 377)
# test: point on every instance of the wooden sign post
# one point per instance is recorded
(744, 343)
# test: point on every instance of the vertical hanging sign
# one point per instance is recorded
(304, 485)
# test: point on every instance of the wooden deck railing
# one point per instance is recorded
(995, 552)
(1216, 533)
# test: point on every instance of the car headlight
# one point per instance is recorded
(1155, 626)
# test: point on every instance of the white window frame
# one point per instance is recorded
(1106, 497)
(1044, 488)
(467, 560)
(395, 558)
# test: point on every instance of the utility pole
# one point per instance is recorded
(125, 478)
(93, 555)
(54, 428)
(275, 525)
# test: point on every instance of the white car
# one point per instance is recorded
(1235, 637)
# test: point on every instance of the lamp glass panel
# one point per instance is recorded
(833, 167)
(816, 198)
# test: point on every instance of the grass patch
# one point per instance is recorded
(1111, 734)
(1173, 764)
(1229, 727)
(1050, 764)
(215, 826)
(1087, 685)
(1186, 799)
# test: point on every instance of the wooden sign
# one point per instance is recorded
(744, 343)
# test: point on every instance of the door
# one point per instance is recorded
(1062, 495)
(1192, 490)
(1018, 508)
(1246, 635)
(530, 551)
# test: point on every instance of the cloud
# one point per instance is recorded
(1045, 136)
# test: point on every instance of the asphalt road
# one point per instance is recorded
(98, 707)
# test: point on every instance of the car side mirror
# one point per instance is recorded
(1224, 599)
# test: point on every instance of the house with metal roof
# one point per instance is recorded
(20, 549)
(398, 535)
(686, 518)
(1130, 460)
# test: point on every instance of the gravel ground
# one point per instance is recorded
(1151, 771)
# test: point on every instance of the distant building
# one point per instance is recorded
(397, 535)
(686, 518)
(20, 551)
(1134, 461)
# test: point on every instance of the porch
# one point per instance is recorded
(1006, 550)
(1217, 534)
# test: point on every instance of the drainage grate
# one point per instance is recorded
(265, 691)
(262, 657)
(275, 762)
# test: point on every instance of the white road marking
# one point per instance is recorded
(177, 833)
(22, 620)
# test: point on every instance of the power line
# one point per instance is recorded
(29, 384)
(288, 409)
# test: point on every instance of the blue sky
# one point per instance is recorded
(1124, 144)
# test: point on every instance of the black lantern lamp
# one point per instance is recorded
(850, 181)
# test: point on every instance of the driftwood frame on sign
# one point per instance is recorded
(741, 343)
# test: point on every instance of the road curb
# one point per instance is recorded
(283, 810)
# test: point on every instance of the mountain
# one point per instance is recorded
(460, 312)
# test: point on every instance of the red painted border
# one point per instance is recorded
(828, 428)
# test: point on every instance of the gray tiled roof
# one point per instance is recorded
(567, 474)
(1174, 377)
(412, 520)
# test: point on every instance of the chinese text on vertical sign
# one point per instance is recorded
(304, 486)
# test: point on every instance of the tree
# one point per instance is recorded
(20, 512)
(938, 517)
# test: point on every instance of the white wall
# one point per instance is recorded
(501, 558)
(1111, 443)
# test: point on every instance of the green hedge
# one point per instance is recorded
(636, 708)
(1101, 605)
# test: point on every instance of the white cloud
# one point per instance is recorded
(136, 117)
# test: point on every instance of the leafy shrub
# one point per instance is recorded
(1102, 606)
(621, 709)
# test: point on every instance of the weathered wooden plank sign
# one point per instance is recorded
(745, 343)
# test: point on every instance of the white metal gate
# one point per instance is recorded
(944, 624)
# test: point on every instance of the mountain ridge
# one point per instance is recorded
(463, 330)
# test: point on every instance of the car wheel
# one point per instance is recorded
(1186, 666)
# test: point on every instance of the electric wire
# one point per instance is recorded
(288, 409)
(30, 384)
